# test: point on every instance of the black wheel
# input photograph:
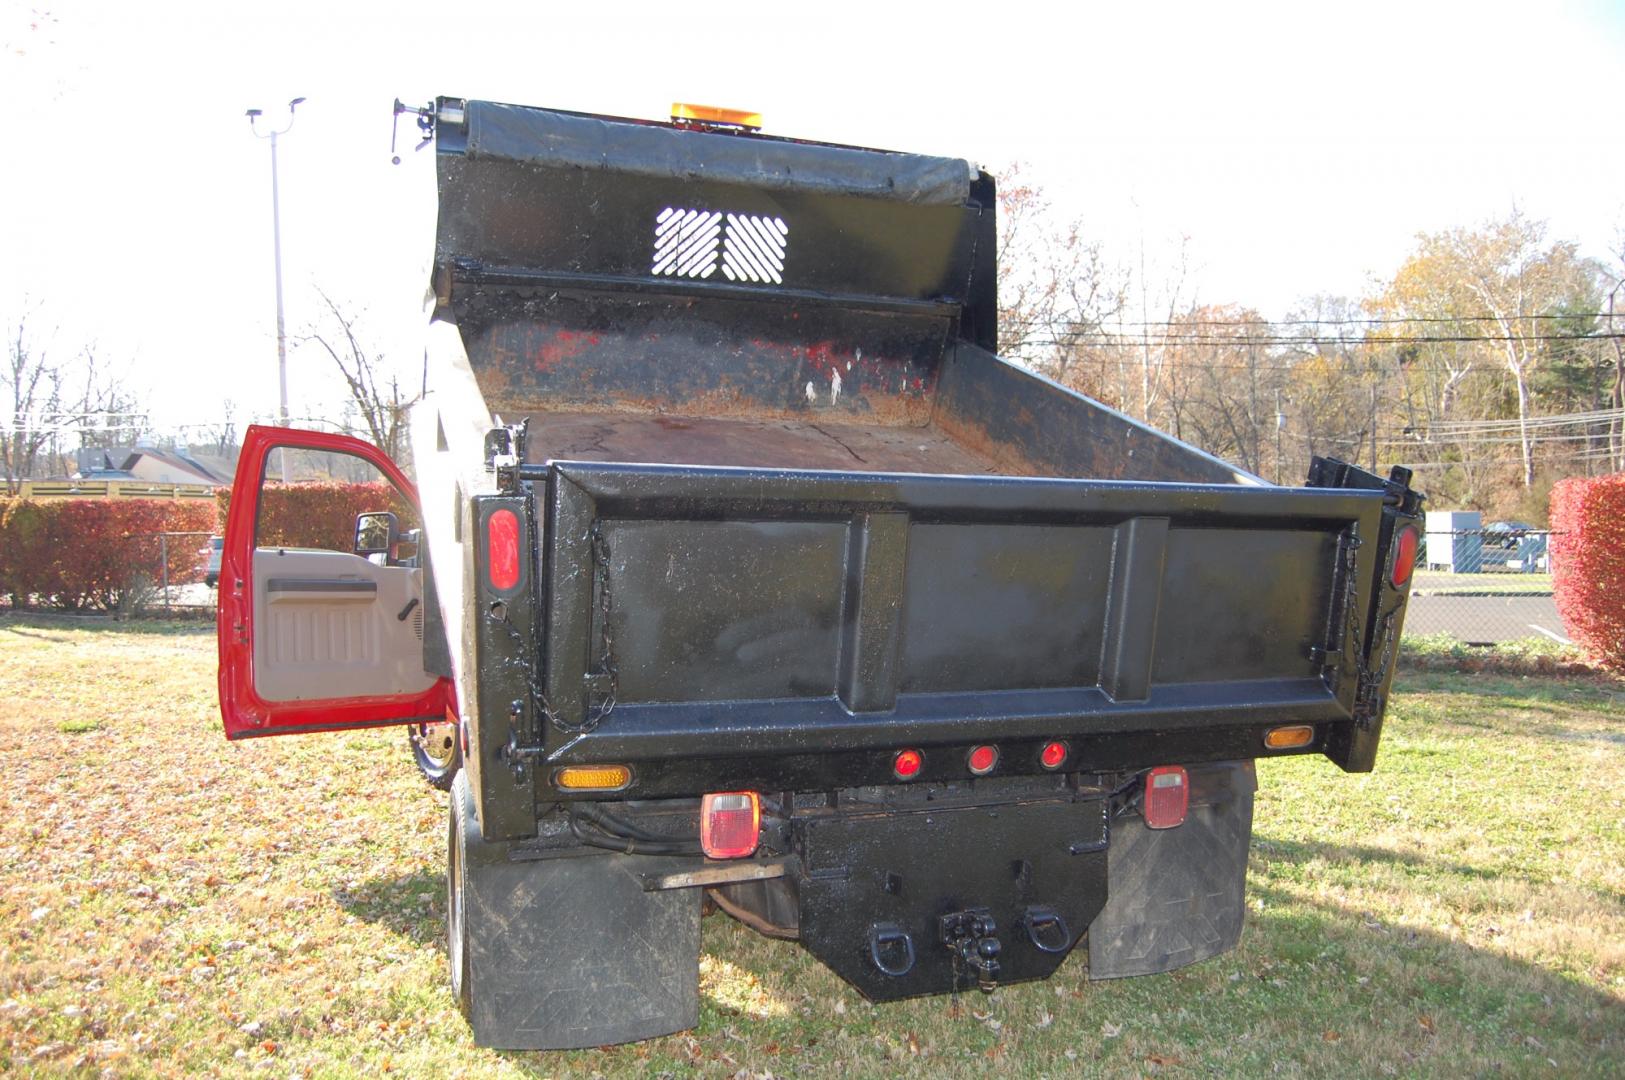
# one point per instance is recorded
(437, 751)
(460, 824)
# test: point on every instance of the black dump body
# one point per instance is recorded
(786, 513)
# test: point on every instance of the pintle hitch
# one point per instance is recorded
(972, 936)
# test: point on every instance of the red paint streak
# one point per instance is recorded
(565, 345)
(825, 360)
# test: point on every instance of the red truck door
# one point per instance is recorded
(314, 637)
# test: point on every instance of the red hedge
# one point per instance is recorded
(91, 553)
(320, 515)
(1588, 563)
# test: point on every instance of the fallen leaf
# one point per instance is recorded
(1329, 1036)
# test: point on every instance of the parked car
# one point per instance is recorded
(211, 560)
(1513, 547)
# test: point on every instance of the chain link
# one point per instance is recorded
(605, 677)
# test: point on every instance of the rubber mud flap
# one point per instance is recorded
(1176, 896)
(567, 953)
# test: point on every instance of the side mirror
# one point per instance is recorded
(376, 533)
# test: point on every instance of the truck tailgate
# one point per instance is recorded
(742, 623)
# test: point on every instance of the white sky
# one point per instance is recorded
(1300, 146)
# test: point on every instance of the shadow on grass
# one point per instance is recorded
(412, 905)
(1537, 688)
(1521, 1015)
(1413, 1000)
(187, 625)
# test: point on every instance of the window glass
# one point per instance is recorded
(310, 499)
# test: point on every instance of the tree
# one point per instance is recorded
(32, 384)
(374, 387)
(1223, 383)
(1493, 291)
(1056, 289)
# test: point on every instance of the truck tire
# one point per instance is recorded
(462, 824)
(437, 751)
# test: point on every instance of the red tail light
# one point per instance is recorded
(1053, 756)
(730, 823)
(1167, 796)
(982, 759)
(1405, 547)
(502, 549)
(907, 764)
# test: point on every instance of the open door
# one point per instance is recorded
(321, 623)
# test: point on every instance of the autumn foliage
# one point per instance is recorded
(320, 515)
(96, 554)
(1588, 563)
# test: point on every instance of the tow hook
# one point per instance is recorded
(971, 935)
(891, 950)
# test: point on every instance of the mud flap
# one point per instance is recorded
(1176, 896)
(565, 953)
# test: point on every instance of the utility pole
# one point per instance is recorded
(276, 255)
(1373, 427)
(1280, 425)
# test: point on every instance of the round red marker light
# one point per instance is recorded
(982, 759)
(1405, 548)
(906, 765)
(1053, 756)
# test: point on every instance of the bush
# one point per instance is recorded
(1588, 563)
(320, 515)
(97, 554)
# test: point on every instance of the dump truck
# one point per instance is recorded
(749, 578)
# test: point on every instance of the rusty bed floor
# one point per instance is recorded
(768, 443)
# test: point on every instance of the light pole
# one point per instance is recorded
(276, 254)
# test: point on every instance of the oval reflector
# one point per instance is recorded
(593, 777)
(1287, 738)
(906, 765)
(1053, 756)
(1405, 548)
(502, 549)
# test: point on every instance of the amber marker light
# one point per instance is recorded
(592, 777)
(1290, 737)
(682, 111)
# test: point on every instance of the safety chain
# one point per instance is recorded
(603, 681)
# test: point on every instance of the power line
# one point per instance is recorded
(1094, 336)
(1394, 320)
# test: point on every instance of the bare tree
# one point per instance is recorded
(32, 385)
(375, 387)
(1056, 288)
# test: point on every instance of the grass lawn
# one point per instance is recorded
(175, 905)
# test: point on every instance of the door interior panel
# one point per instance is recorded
(328, 624)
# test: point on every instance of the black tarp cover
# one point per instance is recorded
(558, 139)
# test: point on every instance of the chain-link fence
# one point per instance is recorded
(1485, 586)
(172, 571)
